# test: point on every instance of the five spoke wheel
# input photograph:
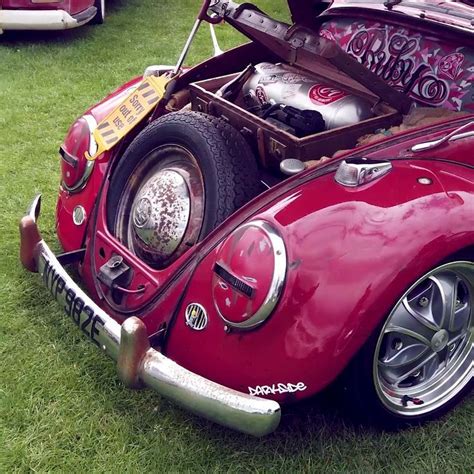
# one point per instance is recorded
(424, 354)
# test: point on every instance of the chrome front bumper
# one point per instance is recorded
(137, 363)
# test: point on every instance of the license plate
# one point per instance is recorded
(128, 114)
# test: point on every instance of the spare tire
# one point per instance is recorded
(178, 180)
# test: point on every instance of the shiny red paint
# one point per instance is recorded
(400, 145)
(351, 253)
(105, 106)
(348, 262)
(343, 246)
(71, 236)
(101, 246)
(248, 256)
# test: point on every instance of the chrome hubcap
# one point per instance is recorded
(161, 209)
(425, 350)
(161, 213)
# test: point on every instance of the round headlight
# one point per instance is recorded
(75, 168)
(249, 275)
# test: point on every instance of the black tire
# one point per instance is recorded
(363, 387)
(227, 167)
(100, 15)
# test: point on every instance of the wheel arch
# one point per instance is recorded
(353, 389)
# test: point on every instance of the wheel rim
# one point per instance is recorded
(161, 209)
(424, 354)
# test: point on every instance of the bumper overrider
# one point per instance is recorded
(137, 363)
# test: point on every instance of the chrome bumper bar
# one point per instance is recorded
(137, 363)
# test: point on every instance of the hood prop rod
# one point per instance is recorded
(202, 16)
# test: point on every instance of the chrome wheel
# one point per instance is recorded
(161, 209)
(424, 354)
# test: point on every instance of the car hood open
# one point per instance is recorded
(458, 15)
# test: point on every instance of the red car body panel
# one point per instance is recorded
(70, 6)
(70, 236)
(351, 252)
(348, 264)
(352, 280)
(49, 15)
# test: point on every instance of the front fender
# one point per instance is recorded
(71, 234)
(351, 254)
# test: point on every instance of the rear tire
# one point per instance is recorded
(179, 179)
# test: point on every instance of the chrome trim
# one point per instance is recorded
(43, 19)
(81, 184)
(450, 371)
(215, 44)
(186, 47)
(278, 279)
(137, 362)
(168, 158)
(160, 214)
(34, 209)
(79, 215)
(196, 316)
(355, 172)
(92, 123)
(291, 166)
(69, 159)
(451, 137)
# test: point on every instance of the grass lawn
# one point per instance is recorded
(61, 405)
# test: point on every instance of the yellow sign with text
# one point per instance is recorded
(128, 114)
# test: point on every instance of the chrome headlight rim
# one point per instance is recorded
(81, 183)
(278, 278)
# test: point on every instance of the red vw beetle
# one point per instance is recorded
(296, 210)
(49, 14)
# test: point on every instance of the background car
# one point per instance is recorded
(49, 14)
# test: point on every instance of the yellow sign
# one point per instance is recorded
(128, 114)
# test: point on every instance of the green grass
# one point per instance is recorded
(61, 405)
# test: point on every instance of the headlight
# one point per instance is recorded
(249, 275)
(75, 168)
